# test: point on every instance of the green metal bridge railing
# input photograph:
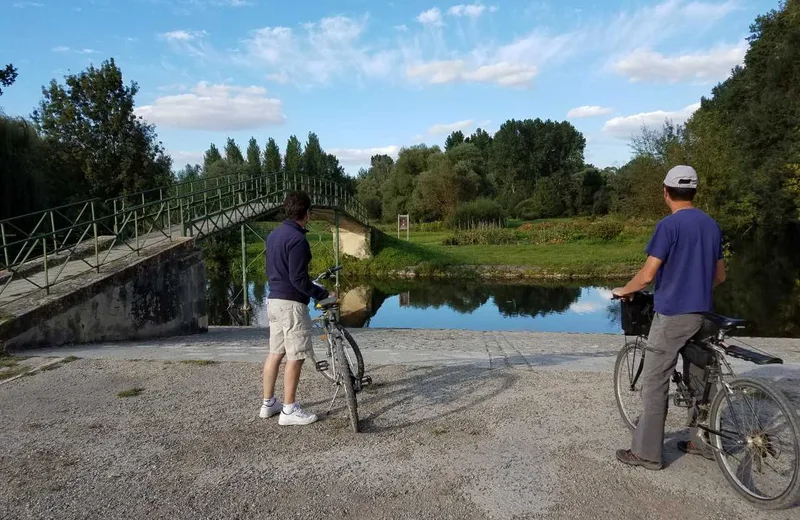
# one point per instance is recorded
(44, 248)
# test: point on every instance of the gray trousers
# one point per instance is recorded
(668, 335)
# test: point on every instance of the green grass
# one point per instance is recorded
(562, 247)
(12, 367)
(70, 359)
(131, 392)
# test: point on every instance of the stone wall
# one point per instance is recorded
(156, 296)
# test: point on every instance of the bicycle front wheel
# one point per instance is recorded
(627, 382)
(338, 334)
(756, 440)
(346, 379)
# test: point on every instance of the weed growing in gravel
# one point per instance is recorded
(131, 392)
(50, 367)
(70, 359)
(198, 362)
(439, 431)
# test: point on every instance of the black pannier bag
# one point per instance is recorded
(637, 314)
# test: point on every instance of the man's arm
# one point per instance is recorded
(720, 274)
(299, 256)
(643, 278)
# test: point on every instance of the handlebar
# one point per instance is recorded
(327, 274)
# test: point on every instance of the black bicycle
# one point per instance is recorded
(344, 365)
(748, 424)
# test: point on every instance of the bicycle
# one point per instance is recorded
(743, 437)
(344, 365)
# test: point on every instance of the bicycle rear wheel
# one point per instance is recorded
(757, 443)
(346, 379)
(353, 356)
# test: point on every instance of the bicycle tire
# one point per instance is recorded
(346, 380)
(619, 365)
(356, 358)
(791, 494)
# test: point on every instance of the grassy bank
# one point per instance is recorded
(552, 249)
(569, 248)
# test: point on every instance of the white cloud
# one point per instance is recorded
(589, 111)
(316, 54)
(362, 156)
(626, 126)
(504, 74)
(652, 24)
(711, 66)
(431, 17)
(23, 5)
(63, 48)
(339, 48)
(183, 36)
(447, 128)
(470, 10)
(215, 107)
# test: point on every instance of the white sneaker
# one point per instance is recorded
(297, 417)
(269, 411)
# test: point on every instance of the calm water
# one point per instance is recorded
(434, 304)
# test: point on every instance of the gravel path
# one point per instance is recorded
(441, 442)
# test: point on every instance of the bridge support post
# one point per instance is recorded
(336, 244)
(245, 296)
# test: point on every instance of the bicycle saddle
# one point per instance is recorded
(723, 322)
(327, 302)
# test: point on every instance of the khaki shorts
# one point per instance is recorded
(290, 329)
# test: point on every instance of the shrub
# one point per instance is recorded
(605, 229)
(484, 236)
(476, 213)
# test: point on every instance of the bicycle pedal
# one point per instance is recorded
(681, 401)
(366, 380)
(322, 366)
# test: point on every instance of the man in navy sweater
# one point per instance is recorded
(290, 291)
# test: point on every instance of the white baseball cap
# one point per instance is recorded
(681, 177)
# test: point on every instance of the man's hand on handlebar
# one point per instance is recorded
(620, 294)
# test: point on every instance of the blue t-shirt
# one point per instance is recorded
(689, 243)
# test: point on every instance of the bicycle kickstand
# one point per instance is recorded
(330, 406)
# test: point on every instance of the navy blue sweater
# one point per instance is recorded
(288, 256)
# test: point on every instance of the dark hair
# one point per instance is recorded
(681, 194)
(296, 205)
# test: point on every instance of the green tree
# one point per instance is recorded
(454, 139)
(102, 149)
(294, 156)
(8, 76)
(211, 156)
(314, 160)
(233, 154)
(369, 184)
(22, 168)
(442, 187)
(397, 190)
(253, 158)
(272, 157)
(546, 201)
(190, 173)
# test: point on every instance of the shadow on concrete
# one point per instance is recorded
(447, 390)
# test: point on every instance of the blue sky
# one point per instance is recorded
(371, 77)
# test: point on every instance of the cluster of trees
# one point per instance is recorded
(310, 160)
(84, 140)
(743, 140)
(532, 168)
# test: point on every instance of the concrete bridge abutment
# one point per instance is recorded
(149, 296)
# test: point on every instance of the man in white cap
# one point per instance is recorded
(684, 257)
